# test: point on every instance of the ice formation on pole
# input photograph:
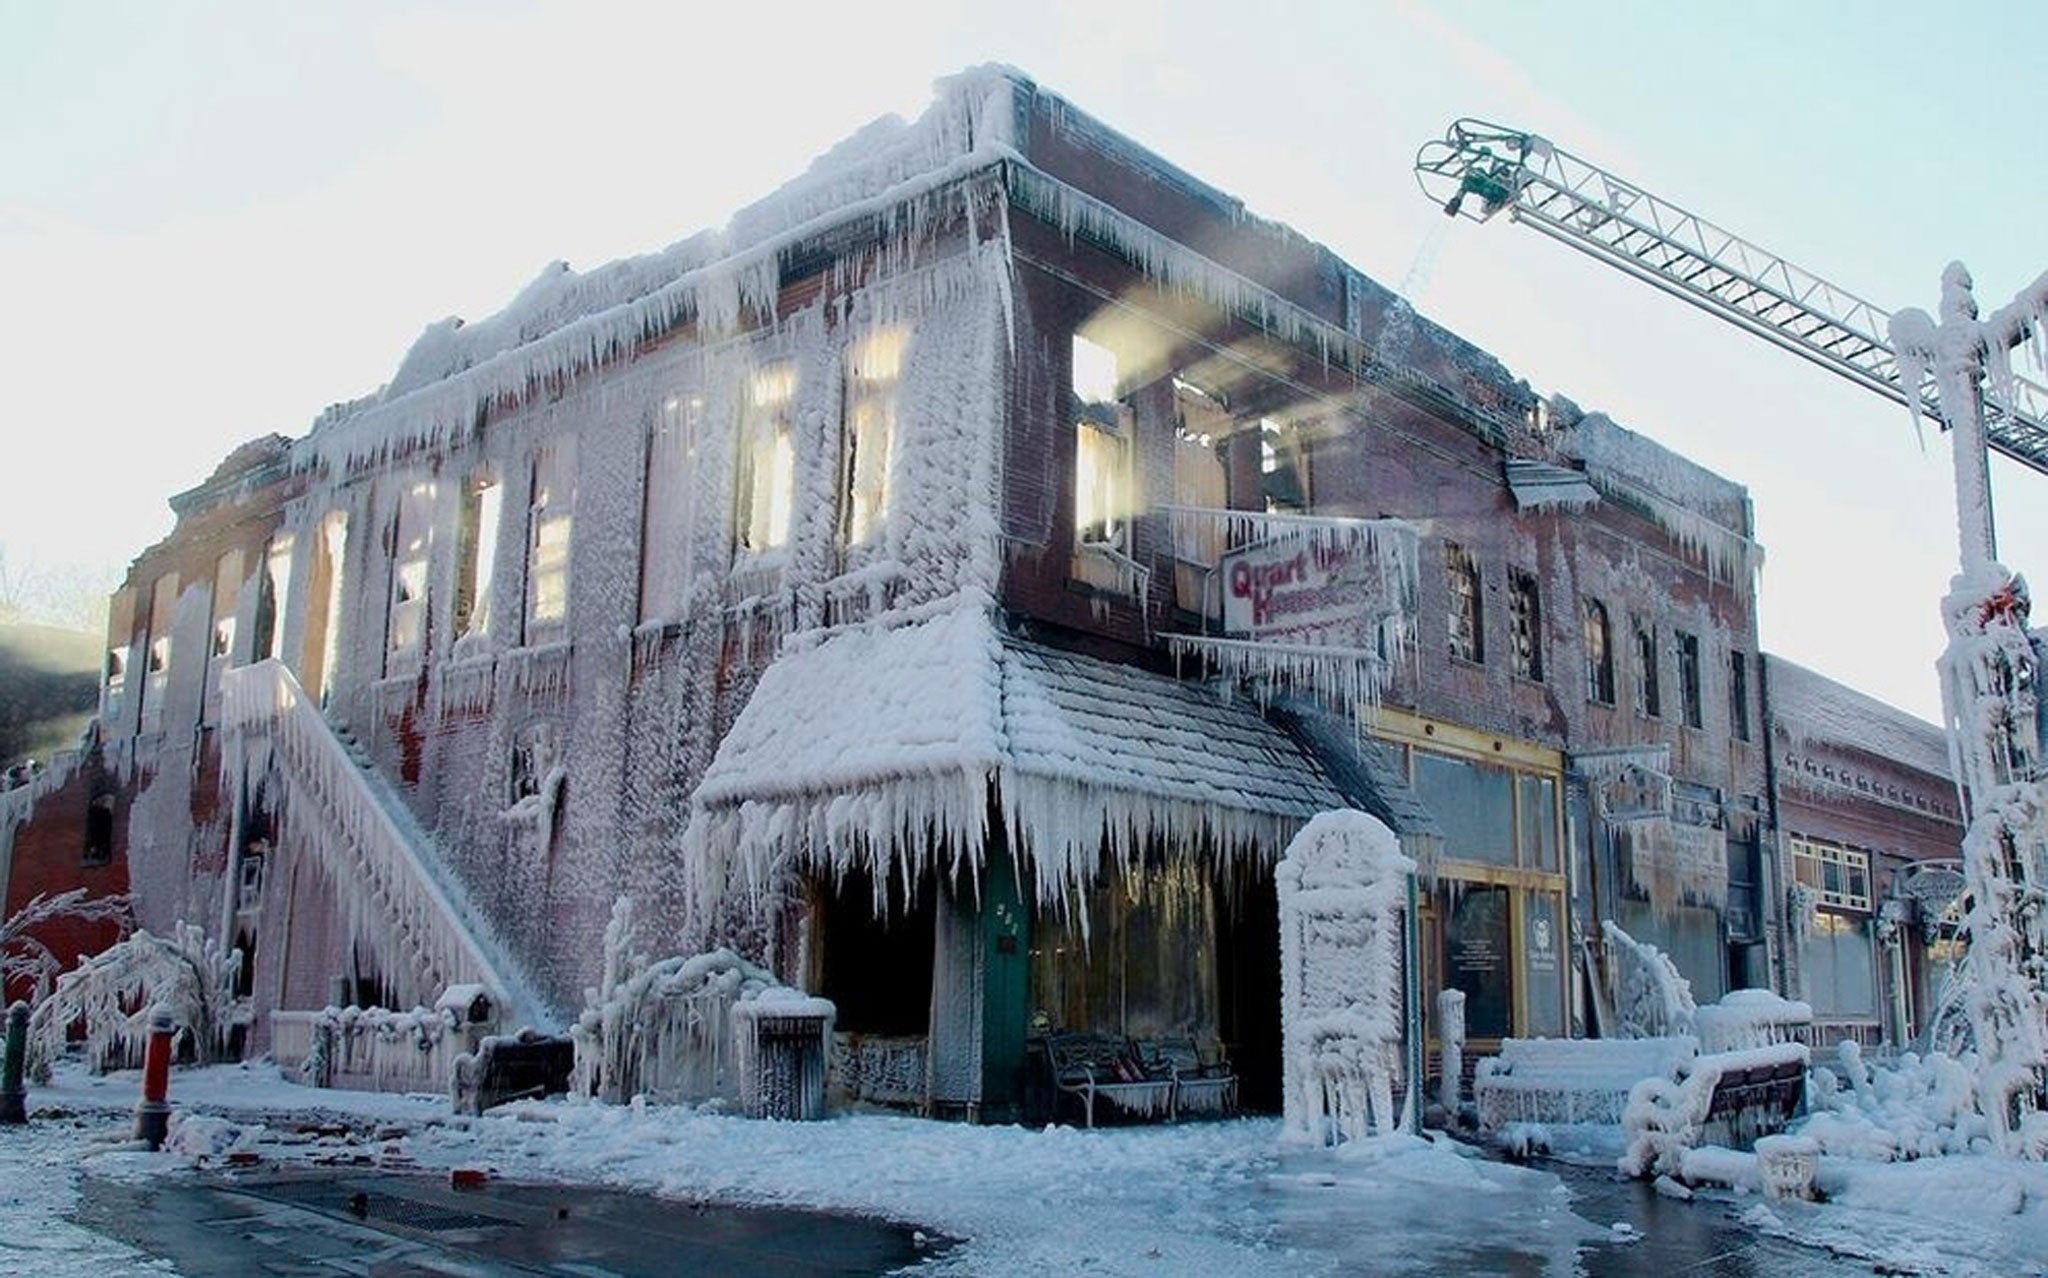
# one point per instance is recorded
(1344, 887)
(1991, 690)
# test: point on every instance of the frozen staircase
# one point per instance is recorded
(361, 836)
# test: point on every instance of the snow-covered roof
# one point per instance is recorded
(880, 745)
(1815, 710)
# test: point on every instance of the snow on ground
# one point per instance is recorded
(1222, 1197)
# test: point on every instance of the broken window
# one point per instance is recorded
(1103, 426)
(120, 631)
(665, 509)
(1283, 467)
(273, 588)
(227, 597)
(766, 482)
(1649, 697)
(323, 628)
(412, 529)
(476, 554)
(1201, 481)
(1525, 623)
(536, 758)
(163, 605)
(1689, 680)
(1738, 695)
(1461, 579)
(873, 365)
(549, 521)
(1599, 654)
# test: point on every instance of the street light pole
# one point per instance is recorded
(1991, 688)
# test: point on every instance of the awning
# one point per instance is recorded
(1367, 774)
(885, 747)
(1542, 486)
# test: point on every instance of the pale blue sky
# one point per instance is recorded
(217, 218)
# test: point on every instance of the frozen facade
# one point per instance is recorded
(949, 586)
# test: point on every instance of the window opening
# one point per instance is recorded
(550, 519)
(665, 516)
(1738, 695)
(767, 461)
(1649, 697)
(411, 534)
(99, 831)
(1461, 577)
(476, 554)
(273, 589)
(873, 366)
(1525, 624)
(1841, 875)
(1599, 654)
(1283, 469)
(227, 599)
(1103, 426)
(1689, 680)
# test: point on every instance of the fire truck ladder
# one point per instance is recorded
(1479, 169)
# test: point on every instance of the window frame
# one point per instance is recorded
(1525, 624)
(1465, 615)
(1596, 634)
(1691, 694)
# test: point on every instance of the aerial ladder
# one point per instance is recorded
(1955, 368)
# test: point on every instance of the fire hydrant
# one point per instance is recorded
(153, 1115)
(13, 1097)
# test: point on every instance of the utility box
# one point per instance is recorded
(783, 1043)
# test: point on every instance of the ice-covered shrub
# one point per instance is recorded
(111, 997)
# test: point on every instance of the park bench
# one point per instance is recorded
(1139, 1078)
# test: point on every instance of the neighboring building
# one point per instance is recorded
(841, 585)
(1870, 830)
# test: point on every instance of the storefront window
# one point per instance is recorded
(1543, 965)
(1473, 802)
(1145, 965)
(1838, 963)
(1538, 818)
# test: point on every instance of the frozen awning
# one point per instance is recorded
(1542, 486)
(1366, 773)
(887, 747)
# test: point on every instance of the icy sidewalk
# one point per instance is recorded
(1194, 1198)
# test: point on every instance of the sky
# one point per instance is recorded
(217, 218)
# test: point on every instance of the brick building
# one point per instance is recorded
(857, 586)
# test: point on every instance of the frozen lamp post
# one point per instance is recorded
(1991, 692)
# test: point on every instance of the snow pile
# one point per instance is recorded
(1750, 1018)
(1343, 886)
(1571, 1081)
(661, 1030)
(1914, 1107)
(1665, 1119)
(1648, 997)
(114, 995)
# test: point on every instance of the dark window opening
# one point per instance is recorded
(1599, 654)
(877, 967)
(99, 831)
(1461, 578)
(1689, 680)
(1649, 697)
(1525, 622)
(1738, 695)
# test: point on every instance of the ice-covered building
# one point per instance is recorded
(951, 583)
(1871, 832)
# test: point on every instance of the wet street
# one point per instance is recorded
(384, 1224)
(1675, 1239)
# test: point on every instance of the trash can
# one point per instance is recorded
(783, 1040)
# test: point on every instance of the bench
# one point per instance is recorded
(1141, 1079)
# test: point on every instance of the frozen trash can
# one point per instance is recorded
(782, 1037)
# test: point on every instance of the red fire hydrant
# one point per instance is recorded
(153, 1115)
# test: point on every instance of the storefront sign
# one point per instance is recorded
(1305, 589)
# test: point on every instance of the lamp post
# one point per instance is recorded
(1991, 676)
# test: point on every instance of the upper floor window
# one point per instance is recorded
(1283, 467)
(1649, 697)
(665, 515)
(1103, 427)
(1840, 875)
(1461, 579)
(163, 606)
(549, 524)
(1738, 695)
(273, 592)
(227, 598)
(1525, 624)
(1599, 645)
(412, 530)
(873, 366)
(1690, 703)
(476, 553)
(766, 482)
